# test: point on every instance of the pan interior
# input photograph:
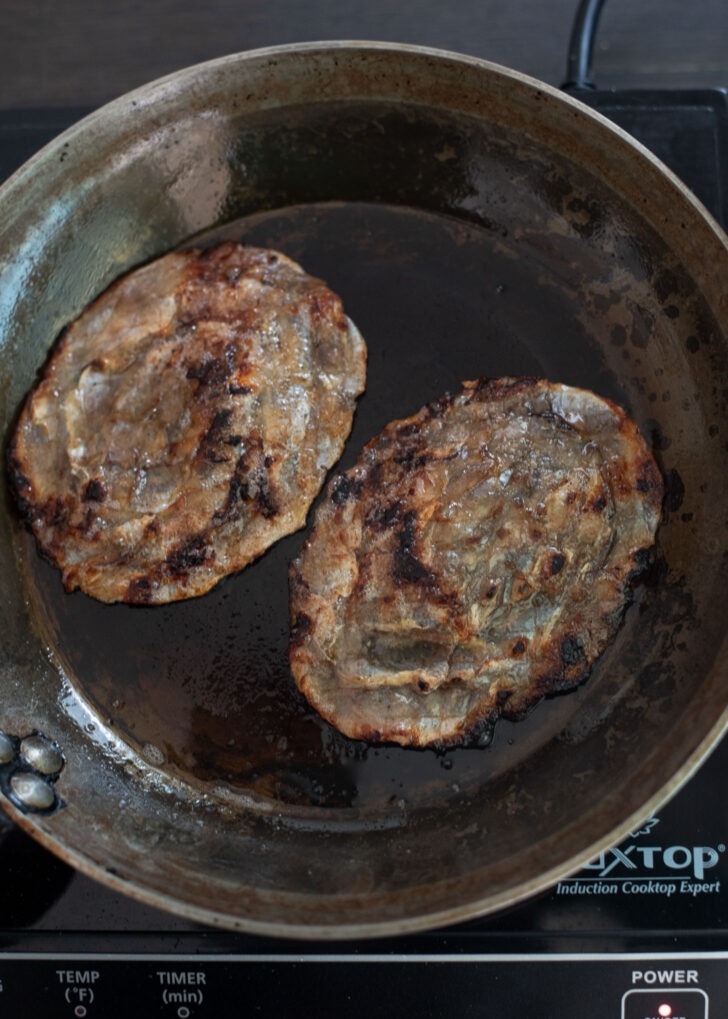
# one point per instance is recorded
(202, 689)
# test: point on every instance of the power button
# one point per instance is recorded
(667, 1003)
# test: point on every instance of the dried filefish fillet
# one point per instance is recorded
(185, 422)
(476, 558)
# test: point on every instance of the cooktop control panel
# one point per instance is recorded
(602, 986)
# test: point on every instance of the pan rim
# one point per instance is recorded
(155, 89)
(477, 909)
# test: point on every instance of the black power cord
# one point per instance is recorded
(581, 46)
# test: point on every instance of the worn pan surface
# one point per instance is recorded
(475, 223)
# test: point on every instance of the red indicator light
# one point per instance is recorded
(665, 1011)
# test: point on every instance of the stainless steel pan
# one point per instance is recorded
(475, 222)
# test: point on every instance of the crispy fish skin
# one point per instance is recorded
(185, 422)
(476, 558)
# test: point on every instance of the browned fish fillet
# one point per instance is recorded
(185, 422)
(475, 559)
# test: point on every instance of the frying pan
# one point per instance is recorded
(475, 222)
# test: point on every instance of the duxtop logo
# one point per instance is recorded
(643, 866)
